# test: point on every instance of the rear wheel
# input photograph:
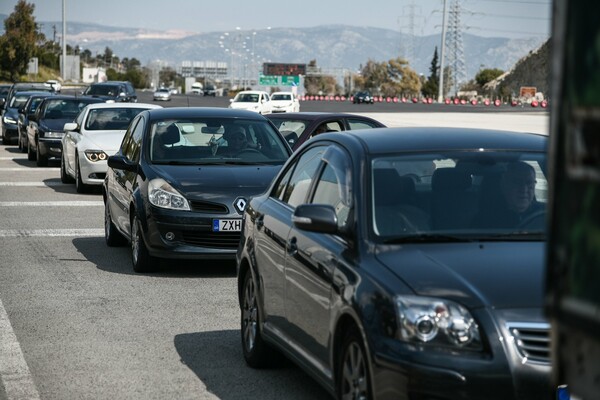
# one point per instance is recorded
(352, 369)
(141, 259)
(257, 353)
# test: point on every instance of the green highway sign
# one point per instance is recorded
(278, 80)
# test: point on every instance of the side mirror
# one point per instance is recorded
(319, 218)
(118, 161)
(71, 127)
(231, 100)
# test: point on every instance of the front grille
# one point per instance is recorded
(208, 207)
(215, 240)
(532, 340)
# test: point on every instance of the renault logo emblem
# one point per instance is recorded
(240, 204)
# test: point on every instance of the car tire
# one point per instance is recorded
(80, 187)
(30, 153)
(141, 259)
(257, 353)
(40, 160)
(112, 236)
(64, 176)
(353, 377)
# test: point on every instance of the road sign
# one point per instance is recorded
(276, 80)
(290, 80)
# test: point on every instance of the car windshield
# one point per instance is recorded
(216, 141)
(246, 98)
(64, 108)
(100, 119)
(102, 90)
(281, 97)
(459, 195)
(18, 101)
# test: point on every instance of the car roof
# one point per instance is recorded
(312, 115)
(72, 97)
(34, 93)
(252, 91)
(192, 112)
(389, 140)
(123, 105)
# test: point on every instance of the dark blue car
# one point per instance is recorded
(46, 126)
(403, 263)
(179, 184)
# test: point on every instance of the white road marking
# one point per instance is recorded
(12, 158)
(51, 232)
(14, 372)
(26, 169)
(50, 203)
(27, 184)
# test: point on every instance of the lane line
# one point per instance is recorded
(6, 233)
(27, 169)
(13, 158)
(50, 203)
(27, 184)
(14, 372)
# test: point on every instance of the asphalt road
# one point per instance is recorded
(77, 323)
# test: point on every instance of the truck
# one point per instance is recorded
(572, 288)
(197, 88)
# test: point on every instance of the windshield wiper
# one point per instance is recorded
(516, 236)
(428, 238)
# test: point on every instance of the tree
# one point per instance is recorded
(18, 44)
(320, 84)
(431, 86)
(166, 76)
(486, 75)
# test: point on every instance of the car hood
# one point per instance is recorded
(490, 274)
(12, 113)
(108, 141)
(216, 181)
(281, 102)
(245, 106)
(57, 125)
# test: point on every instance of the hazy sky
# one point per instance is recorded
(502, 18)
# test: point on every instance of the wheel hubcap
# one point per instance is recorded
(135, 241)
(354, 374)
(249, 316)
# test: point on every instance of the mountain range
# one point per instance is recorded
(332, 47)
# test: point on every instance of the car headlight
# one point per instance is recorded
(53, 134)
(437, 322)
(95, 155)
(163, 195)
(9, 120)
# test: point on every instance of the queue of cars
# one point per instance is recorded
(385, 262)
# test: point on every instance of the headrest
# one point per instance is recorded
(170, 135)
(391, 188)
(450, 179)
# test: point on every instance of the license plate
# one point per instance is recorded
(227, 225)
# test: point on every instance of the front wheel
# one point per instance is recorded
(141, 259)
(64, 176)
(353, 380)
(80, 187)
(40, 159)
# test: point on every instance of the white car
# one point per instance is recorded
(162, 94)
(284, 102)
(95, 135)
(54, 84)
(252, 100)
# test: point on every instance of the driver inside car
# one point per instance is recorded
(237, 140)
(517, 199)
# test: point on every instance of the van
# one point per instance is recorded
(197, 88)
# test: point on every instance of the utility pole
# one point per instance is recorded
(443, 51)
(64, 42)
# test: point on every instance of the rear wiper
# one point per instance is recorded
(428, 238)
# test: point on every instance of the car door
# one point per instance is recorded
(312, 259)
(273, 222)
(121, 183)
(360, 123)
(265, 101)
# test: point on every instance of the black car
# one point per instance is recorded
(363, 97)
(10, 117)
(298, 127)
(4, 89)
(46, 125)
(112, 91)
(181, 180)
(210, 90)
(27, 110)
(403, 263)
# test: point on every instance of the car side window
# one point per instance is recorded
(303, 175)
(132, 140)
(360, 124)
(334, 184)
(279, 188)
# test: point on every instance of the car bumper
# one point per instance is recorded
(50, 147)
(92, 173)
(423, 373)
(189, 235)
(9, 131)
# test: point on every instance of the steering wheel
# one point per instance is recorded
(535, 220)
(249, 150)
